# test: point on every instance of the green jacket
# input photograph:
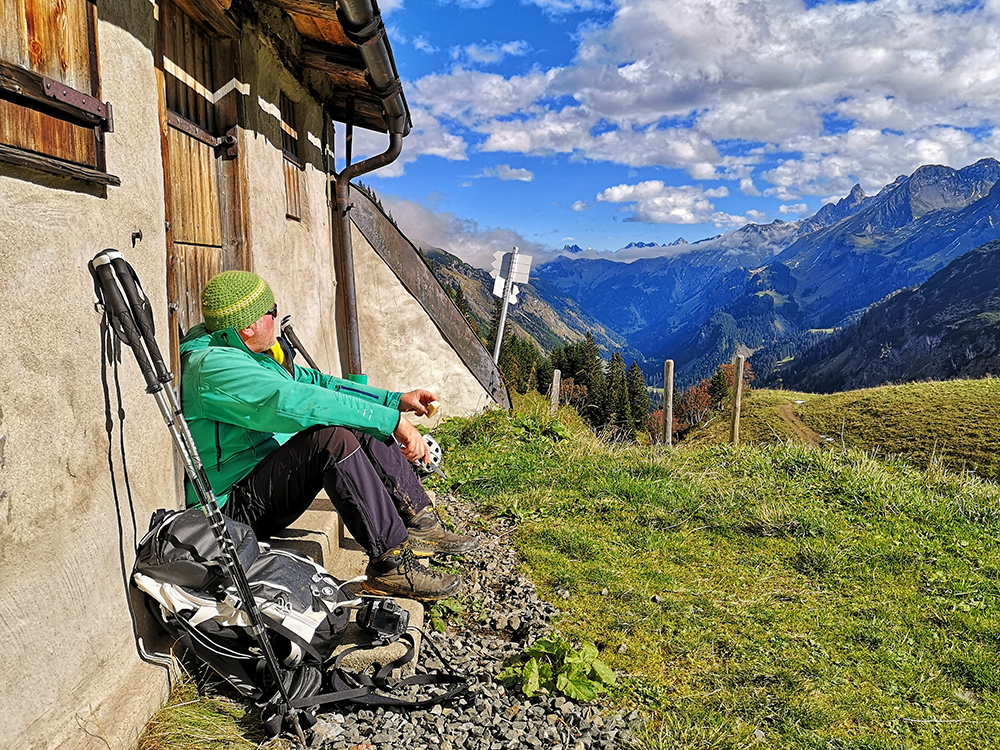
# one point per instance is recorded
(240, 406)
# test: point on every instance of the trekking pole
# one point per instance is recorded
(121, 299)
(289, 333)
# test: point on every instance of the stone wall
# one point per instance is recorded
(71, 670)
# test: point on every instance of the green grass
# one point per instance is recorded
(953, 424)
(209, 721)
(770, 596)
(766, 596)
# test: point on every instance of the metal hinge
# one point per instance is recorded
(228, 142)
(83, 102)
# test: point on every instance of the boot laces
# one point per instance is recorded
(408, 564)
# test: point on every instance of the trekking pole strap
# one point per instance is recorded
(141, 310)
(360, 688)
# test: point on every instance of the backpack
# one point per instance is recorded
(304, 608)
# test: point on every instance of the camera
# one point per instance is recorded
(383, 618)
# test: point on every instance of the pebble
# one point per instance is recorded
(490, 716)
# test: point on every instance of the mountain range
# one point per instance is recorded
(947, 327)
(766, 291)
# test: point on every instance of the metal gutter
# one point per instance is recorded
(362, 23)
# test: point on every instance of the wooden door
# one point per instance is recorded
(201, 119)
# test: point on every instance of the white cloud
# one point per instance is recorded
(506, 173)
(388, 6)
(798, 209)
(489, 53)
(422, 45)
(748, 188)
(558, 7)
(427, 138)
(756, 216)
(466, 239)
(846, 92)
(654, 202)
(719, 192)
(781, 192)
(580, 206)
(468, 4)
(472, 97)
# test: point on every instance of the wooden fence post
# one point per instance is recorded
(668, 403)
(554, 395)
(734, 436)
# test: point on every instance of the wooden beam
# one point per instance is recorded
(56, 166)
(326, 57)
(316, 8)
(212, 13)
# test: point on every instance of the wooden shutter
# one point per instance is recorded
(202, 185)
(47, 48)
(292, 160)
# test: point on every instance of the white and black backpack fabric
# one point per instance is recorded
(304, 607)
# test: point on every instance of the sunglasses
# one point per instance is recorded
(273, 312)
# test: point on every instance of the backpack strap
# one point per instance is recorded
(359, 688)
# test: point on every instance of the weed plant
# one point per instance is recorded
(772, 596)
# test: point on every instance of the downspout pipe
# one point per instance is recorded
(342, 190)
(362, 24)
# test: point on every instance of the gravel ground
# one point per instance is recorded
(490, 716)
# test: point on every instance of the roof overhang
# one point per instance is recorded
(347, 43)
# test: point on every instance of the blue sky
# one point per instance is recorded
(543, 123)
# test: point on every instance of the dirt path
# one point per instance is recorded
(805, 433)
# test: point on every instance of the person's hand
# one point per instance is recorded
(411, 442)
(416, 401)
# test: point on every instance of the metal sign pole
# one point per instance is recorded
(503, 307)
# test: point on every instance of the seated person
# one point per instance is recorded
(272, 434)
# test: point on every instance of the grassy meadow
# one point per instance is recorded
(773, 596)
(953, 424)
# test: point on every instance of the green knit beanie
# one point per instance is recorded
(235, 299)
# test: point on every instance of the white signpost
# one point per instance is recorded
(508, 268)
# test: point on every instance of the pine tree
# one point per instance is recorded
(638, 397)
(718, 388)
(618, 410)
(463, 307)
(543, 375)
(591, 376)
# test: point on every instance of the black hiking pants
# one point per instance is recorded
(371, 485)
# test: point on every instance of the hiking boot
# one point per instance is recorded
(397, 573)
(428, 537)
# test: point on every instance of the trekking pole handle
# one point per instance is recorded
(141, 310)
(120, 318)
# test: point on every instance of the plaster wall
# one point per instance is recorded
(71, 672)
(294, 257)
(401, 348)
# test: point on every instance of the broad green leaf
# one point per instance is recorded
(581, 689)
(588, 652)
(530, 685)
(602, 672)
